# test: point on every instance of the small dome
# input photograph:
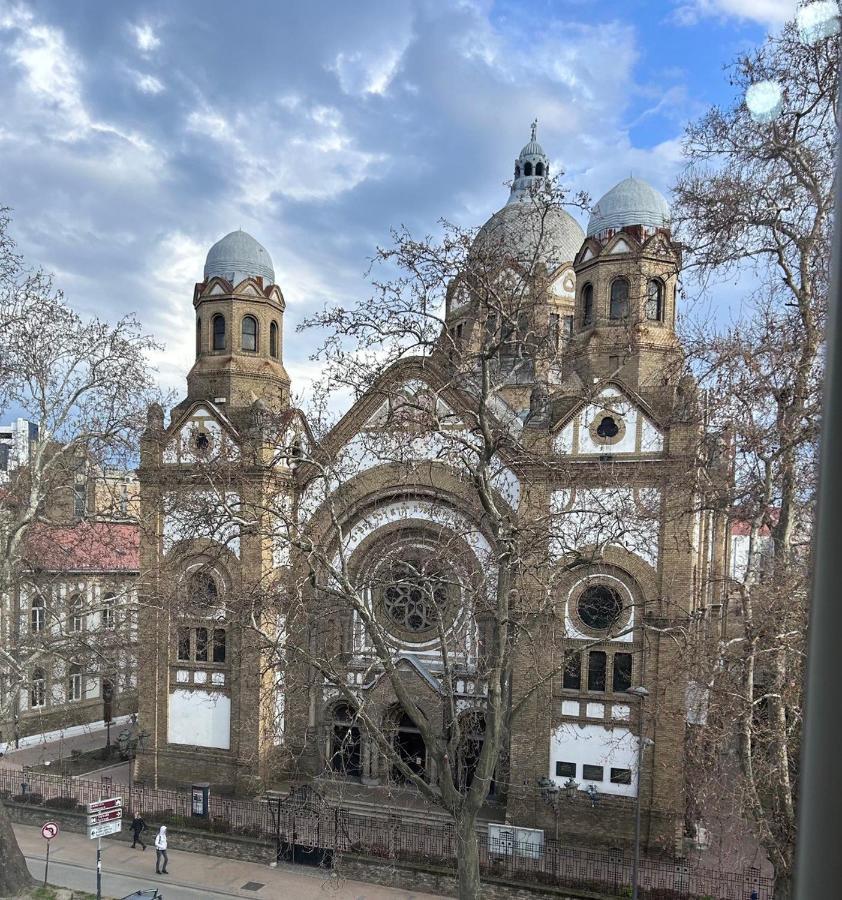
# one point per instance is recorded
(521, 230)
(533, 148)
(631, 202)
(237, 256)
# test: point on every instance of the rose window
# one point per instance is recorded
(600, 607)
(413, 600)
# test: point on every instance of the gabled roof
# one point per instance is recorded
(571, 406)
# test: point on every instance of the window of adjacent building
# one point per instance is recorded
(565, 770)
(183, 644)
(596, 670)
(109, 603)
(273, 339)
(74, 683)
(38, 614)
(77, 616)
(622, 671)
(198, 336)
(555, 331)
(619, 308)
(568, 326)
(80, 496)
(38, 689)
(655, 301)
(592, 773)
(219, 332)
(587, 304)
(621, 776)
(572, 675)
(249, 334)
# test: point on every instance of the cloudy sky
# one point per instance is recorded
(135, 134)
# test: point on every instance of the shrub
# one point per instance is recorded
(31, 799)
(62, 802)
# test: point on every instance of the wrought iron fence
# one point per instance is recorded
(306, 822)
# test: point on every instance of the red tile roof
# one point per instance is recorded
(84, 547)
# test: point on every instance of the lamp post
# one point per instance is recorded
(641, 693)
(550, 792)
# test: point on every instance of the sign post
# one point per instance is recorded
(48, 831)
(104, 817)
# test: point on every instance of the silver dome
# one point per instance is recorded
(522, 231)
(631, 202)
(237, 256)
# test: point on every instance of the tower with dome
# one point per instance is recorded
(590, 377)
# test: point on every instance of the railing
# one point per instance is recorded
(331, 828)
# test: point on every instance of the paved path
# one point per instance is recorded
(193, 876)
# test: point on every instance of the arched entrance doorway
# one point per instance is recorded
(345, 742)
(409, 747)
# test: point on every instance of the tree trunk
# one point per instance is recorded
(14, 876)
(783, 886)
(467, 848)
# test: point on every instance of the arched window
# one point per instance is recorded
(203, 593)
(74, 682)
(517, 171)
(273, 340)
(619, 299)
(539, 168)
(655, 301)
(219, 332)
(249, 334)
(198, 336)
(109, 603)
(527, 169)
(76, 619)
(38, 689)
(587, 304)
(38, 614)
(345, 743)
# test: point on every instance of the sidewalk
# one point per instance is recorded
(193, 876)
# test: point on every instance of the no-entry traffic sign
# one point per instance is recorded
(49, 830)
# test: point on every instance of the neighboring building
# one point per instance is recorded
(71, 621)
(615, 425)
(15, 442)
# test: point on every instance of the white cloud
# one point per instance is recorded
(148, 84)
(767, 12)
(145, 37)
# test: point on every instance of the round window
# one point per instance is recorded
(608, 427)
(414, 600)
(599, 607)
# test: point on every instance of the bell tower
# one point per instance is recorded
(239, 328)
(626, 283)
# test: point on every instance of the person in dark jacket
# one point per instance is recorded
(138, 826)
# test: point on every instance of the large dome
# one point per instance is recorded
(522, 231)
(631, 202)
(237, 256)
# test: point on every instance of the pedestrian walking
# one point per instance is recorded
(138, 826)
(161, 851)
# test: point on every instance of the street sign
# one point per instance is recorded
(107, 815)
(49, 830)
(110, 803)
(98, 831)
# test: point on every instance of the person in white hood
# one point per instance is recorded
(161, 851)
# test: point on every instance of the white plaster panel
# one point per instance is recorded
(595, 710)
(200, 718)
(622, 516)
(570, 707)
(596, 745)
(641, 435)
(620, 711)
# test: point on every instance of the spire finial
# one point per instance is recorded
(534, 127)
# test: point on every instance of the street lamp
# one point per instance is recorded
(550, 792)
(641, 693)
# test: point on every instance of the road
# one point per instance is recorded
(193, 876)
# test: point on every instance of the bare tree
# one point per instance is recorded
(84, 386)
(757, 196)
